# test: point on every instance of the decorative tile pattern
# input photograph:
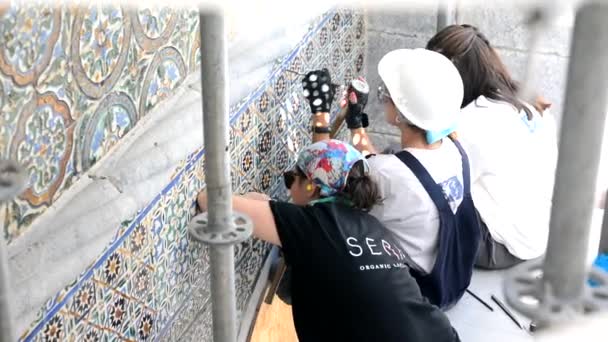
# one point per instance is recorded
(43, 145)
(99, 68)
(28, 33)
(114, 117)
(101, 36)
(54, 330)
(166, 72)
(153, 26)
(152, 282)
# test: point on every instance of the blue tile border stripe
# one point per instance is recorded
(54, 305)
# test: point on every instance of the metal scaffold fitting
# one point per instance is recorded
(238, 230)
(557, 289)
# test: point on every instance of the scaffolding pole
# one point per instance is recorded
(6, 327)
(214, 79)
(565, 268)
(559, 282)
(604, 236)
(446, 13)
(12, 181)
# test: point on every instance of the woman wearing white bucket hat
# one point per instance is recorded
(425, 187)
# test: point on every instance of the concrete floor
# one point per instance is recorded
(474, 322)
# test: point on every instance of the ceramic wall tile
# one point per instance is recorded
(74, 81)
(152, 281)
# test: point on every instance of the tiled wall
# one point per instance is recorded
(74, 81)
(151, 282)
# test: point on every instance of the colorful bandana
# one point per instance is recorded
(328, 163)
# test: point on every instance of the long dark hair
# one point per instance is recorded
(360, 188)
(482, 71)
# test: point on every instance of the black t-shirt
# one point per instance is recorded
(349, 282)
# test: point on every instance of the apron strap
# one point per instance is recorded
(434, 190)
(466, 172)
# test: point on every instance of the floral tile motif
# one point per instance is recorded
(93, 61)
(114, 117)
(28, 33)
(43, 144)
(280, 86)
(100, 41)
(144, 325)
(118, 311)
(141, 285)
(54, 330)
(84, 300)
(152, 282)
(360, 27)
(359, 63)
(265, 101)
(166, 72)
(336, 22)
(153, 26)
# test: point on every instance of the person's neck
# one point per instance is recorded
(418, 141)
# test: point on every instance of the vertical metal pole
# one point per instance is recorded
(604, 236)
(214, 78)
(445, 13)
(6, 329)
(12, 180)
(565, 268)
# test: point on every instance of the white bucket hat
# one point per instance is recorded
(424, 85)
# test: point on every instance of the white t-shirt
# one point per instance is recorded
(513, 163)
(407, 209)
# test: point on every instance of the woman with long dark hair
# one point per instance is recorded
(349, 280)
(512, 146)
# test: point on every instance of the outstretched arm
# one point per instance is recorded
(320, 124)
(319, 90)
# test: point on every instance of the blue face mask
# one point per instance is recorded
(434, 136)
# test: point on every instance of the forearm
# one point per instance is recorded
(320, 120)
(361, 141)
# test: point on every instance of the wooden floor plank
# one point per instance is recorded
(274, 323)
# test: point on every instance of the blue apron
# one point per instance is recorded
(458, 240)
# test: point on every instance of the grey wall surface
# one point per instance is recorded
(505, 28)
(389, 30)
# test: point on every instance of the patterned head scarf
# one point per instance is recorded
(328, 163)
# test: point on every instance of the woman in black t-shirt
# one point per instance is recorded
(349, 280)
